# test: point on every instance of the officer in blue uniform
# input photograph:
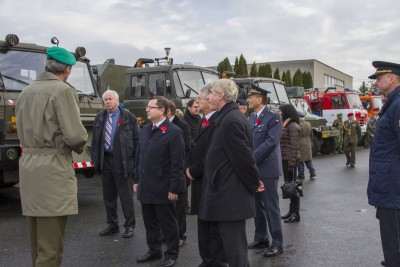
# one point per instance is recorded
(384, 166)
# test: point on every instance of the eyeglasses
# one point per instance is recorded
(150, 107)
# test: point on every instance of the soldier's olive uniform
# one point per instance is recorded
(338, 124)
(371, 128)
(352, 130)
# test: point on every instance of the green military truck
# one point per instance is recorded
(20, 64)
(324, 137)
(177, 82)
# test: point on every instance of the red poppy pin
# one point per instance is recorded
(258, 121)
(119, 122)
(163, 128)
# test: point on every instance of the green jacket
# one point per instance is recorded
(49, 128)
(338, 124)
(351, 131)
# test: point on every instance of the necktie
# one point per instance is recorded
(154, 127)
(205, 123)
(107, 137)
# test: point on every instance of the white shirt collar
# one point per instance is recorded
(159, 123)
(172, 118)
(210, 114)
(260, 111)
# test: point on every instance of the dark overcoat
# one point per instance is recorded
(160, 163)
(231, 177)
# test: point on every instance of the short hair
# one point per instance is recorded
(191, 102)
(54, 66)
(112, 92)
(206, 89)
(289, 111)
(228, 87)
(162, 102)
(172, 107)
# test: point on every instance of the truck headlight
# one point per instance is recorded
(12, 153)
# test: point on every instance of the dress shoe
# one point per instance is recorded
(352, 165)
(347, 163)
(258, 244)
(284, 217)
(149, 256)
(205, 264)
(313, 176)
(168, 262)
(295, 217)
(273, 251)
(341, 152)
(181, 242)
(109, 230)
(383, 263)
(128, 232)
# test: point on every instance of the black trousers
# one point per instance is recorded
(290, 175)
(234, 243)
(210, 242)
(160, 221)
(181, 205)
(114, 185)
(389, 223)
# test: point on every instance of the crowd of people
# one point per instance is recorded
(232, 162)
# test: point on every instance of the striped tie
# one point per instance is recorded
(107, 137)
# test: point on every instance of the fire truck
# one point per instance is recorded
(370, 101)
(20, 64)
(331, 101)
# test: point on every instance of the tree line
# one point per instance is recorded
(303, 79)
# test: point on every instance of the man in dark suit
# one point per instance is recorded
(114, 144)
(266, 128)
(195, 174)
(230, 176)
(158, 180)
(181, 203)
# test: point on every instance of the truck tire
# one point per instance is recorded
(316, 145)
(328, 146)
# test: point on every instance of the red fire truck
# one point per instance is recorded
(331, 101)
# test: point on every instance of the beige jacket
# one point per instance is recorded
(49, 128)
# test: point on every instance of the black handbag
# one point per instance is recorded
(289, 190)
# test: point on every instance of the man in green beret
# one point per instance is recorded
(49, 129)
(338, 124)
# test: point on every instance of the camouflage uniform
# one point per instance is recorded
(371, 128)
(352, 130)
(338, 124)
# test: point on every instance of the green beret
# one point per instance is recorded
(340, 114)
(61, 55)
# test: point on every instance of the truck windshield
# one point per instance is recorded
(21, 68)
(278, 93)
(354, 101)
(193, 81)
(377, 102)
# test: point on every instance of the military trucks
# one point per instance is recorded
(324, 137)
(20, 64)
(159, 76)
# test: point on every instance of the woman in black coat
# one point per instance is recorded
(290, 150)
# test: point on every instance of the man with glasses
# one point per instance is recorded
(158, 180)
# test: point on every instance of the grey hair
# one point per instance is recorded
(206, 89)
(112, 92)
(228, 87)
(54, 66)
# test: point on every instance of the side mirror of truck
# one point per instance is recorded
(187, 93)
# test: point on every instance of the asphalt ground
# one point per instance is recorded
(337, 228)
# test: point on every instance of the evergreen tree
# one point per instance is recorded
(364, 88)
(221, 67)
(297, 81)
(227, 64)
(253, 70)
(242, 68)
(304, 78)
(262, 71)
(309, 81)
(268, 70)
(276, 74)
(235, 68)
(289, 81)
(284, 78)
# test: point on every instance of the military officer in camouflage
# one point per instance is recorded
(338, 124)
(351, 130)
(371, 128)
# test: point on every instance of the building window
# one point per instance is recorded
(332, 82)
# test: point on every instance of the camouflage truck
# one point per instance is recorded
(324, 137)
(20, 64)
(159, 76)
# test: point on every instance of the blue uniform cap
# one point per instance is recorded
(383, 67)
(255, 89)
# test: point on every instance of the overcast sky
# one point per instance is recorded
(344, 34)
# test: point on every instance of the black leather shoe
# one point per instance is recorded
(295, 217)
(181, 242)
(205, 264)
(284, 217)
(168, 262)
(352, 165)
(383, 263)
(149, 256)
(258, 244)
(347, 163)
(128, 232)
(273, 251)
(109, 230)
